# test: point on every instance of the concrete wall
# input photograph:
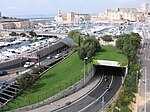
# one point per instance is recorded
(42, 52)
(54, 48)
(13, 63)
(62, 94)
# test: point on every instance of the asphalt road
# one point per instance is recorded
(92, 102)
(12, 72)
(145, 58)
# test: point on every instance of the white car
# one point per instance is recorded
(28, 64)
(37, 64)
(57, 56)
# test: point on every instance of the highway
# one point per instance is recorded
(11, 76)
(92, 101)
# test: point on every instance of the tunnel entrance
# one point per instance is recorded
(110, 70)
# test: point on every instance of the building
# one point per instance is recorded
(14, 23)
(71, 18)
(126, 14)
(0, 14)
(145, 8)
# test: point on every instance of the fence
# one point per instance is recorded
(53, 91)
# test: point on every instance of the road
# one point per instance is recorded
(92, 101)
(145, 79)
(46, 62)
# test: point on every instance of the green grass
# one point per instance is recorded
(55, 80)
(111, 53)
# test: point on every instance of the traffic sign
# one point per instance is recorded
(102, 102)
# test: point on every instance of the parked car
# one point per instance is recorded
(3, 84)
(3, 72)
(28, 64)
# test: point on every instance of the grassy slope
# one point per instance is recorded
(55, 80)
(112, 54)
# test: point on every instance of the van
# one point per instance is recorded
(28, 64)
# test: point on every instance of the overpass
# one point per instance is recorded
(51, 34)
(39, 33)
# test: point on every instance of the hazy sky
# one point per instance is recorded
(50, 7)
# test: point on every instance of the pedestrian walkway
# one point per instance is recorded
(62, 102)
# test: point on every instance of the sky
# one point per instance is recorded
(50, 7)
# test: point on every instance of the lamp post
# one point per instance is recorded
(20, 64)
(84, 71)
(38, 59)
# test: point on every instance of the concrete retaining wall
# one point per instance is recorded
(64, 93)
(13, 63)
(42, 53)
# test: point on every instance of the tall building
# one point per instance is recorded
(70, 17)
(0, 14)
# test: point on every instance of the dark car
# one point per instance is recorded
(3, 72)
(3, 84)
(108, 87)
(105, 78)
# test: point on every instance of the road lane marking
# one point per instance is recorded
(81, 97)
(98, 97)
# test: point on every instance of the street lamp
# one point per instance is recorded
(20, 64)
(84, 71)
(38, 59)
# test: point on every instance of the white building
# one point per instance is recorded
(129, 14)
(71, 18)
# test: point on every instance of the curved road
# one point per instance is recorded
(92, 102)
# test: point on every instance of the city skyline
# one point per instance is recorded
(50, 7)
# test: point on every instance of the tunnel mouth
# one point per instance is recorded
(109, 70)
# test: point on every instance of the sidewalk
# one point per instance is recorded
(70, 98)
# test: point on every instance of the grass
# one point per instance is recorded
(55, 80)
(111, 53)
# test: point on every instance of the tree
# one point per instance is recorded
(88, 48)
(71, 33)
(32, 33)
(23, 34)
(107, 38)
(128, 44)
(38, 69)
(13, 34)
(119, 43)
(75, 36)
(26, 80)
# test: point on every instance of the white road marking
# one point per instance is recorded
(98, 98)
(80, 98)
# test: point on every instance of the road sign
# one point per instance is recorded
(102, 102)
